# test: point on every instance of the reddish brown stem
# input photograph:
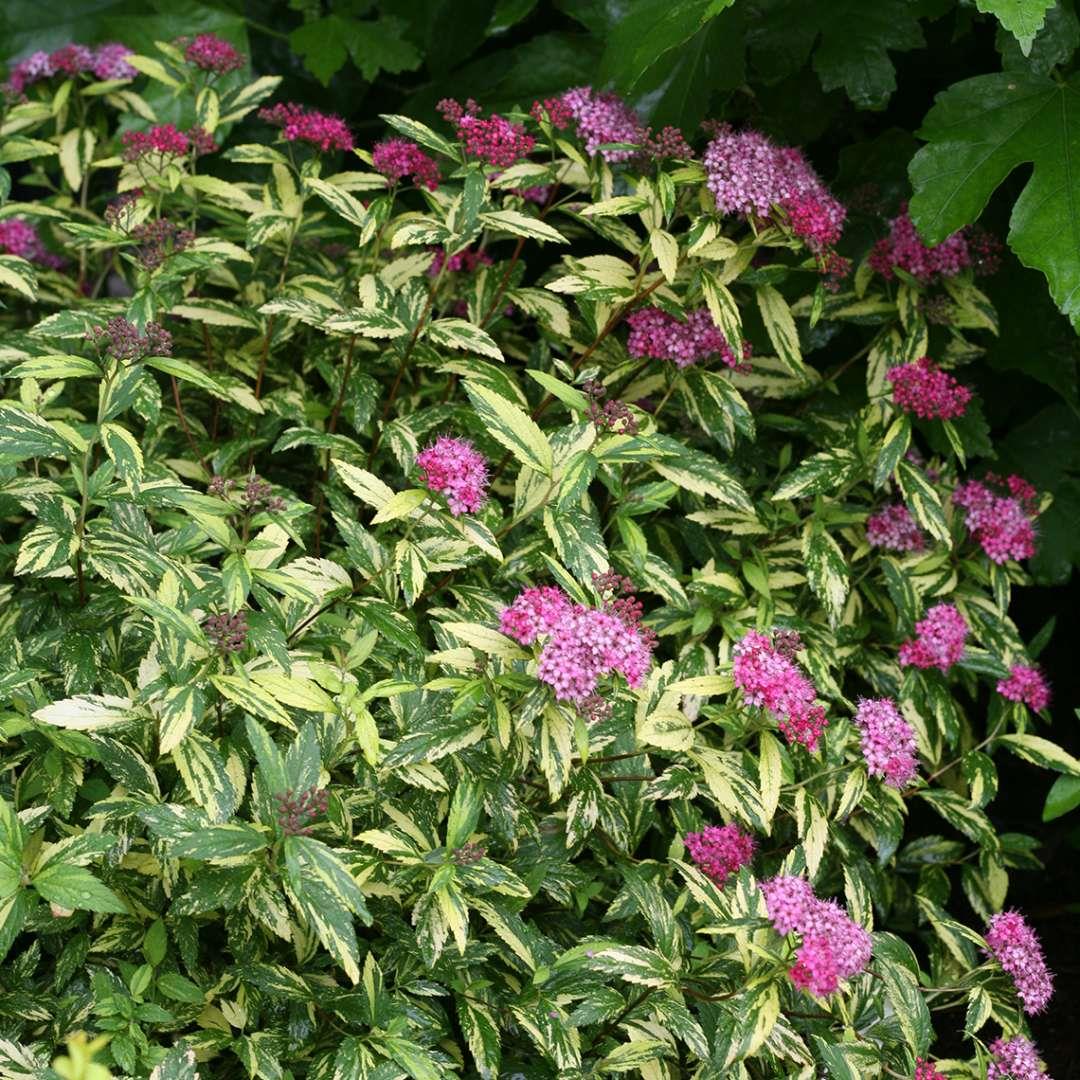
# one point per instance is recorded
(331, 427)
(184, 424)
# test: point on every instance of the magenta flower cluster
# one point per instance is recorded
(213, 54)
(603, 118)
(770, 679)
(103, 62)
(1026, 684)
(324, 131)
(494, 140)
(927, 1070)
(164, 140)
(720, 850)
(922, 388)
(456, 469)
(1015, 1059)
(582, 644)
(1000, 522)
(834, 947)
(1015, 946)
(888, 742)
(468, 259)
(894, 529)
(903, 249)
(19, 237)
(227, 633)
(749, 174)
(398, 158)
(656, 334)
(939, 640)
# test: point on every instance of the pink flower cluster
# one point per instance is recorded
(164, 140)
(940, 639)
(299, 124)
(495, 140)
(1001, 522)
(927, 1070)
(655, 333)
(455, 468)
(1015, 1059)
(19, 237)
(398, 158)
(888, 742)
(1026, 684)
(902, 249)
(894, 529)
(922, 388)
(556, 110)
(213, 53)
(720, 851)
(834, 946)
(769, 678)
(104, 62)
(583, 644)
(605, 118)
(749, 174)
(468, 259)
(1015, 946)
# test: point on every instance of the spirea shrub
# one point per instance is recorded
(521, 599)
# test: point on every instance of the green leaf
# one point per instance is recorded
(175, 986)
(1041, 752)
(178, 1064)
(420, 133)
(24, 435)
(462, 334)
(203, 771)
(18, 274)
(826, 570)
(217, 842)
(512, 427)
(1063, 796)
(893, 448)
(647, 29)
(321, 43)
(380, 45)
(923, 500)
(1022, 18)
(75, 887)
(780, 327)
(519, 224)
(339, 200)
(978, 132)
(87, 712)
(694, 470)
(822, 473)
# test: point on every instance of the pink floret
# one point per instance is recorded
(720, 850)
(456, 469)
(922, 388)
(1015, 946)
(398, 158)
(888, 742)
(940, 639)
(894, 529)
(1026, 684)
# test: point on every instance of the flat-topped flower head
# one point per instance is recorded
(494, 139)
(771, 680)
(324, 131)
(749, 174)
(535, 611)
(939, 640)
(554, 111)
(19, 237)
(603, 118)
(1015, 1059)
(923, 389)
(1015, 946)
(110, 62)
(397, 158)
(660, 336)
(162, 141)
(888, 742)
(720, 850)
(123, 341)
(456, 469)
(894, 529)
(788, 899)
(927, 1070)
(214, 54)
(1000, 516)
(1026, 684)
(903, 250)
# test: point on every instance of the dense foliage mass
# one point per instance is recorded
(490, 603)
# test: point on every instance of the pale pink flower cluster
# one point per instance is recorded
(213, 53)
(106, 61)
(494, 140)
(720, 850)
(940, 639)
(655, 333)
(770, 679)
(1026, 684)
(398, 158)
(902, 249)
(894, 529)
(834, 947)
(1015, 946)
(749, 174)
(927, 1070)
(299, 124)
(605, 118)
(456, 469)
(1002, 524)
(1015, 1059)
(468, 259)
(19, 237)
(888, 742)
(583, 644)
(922, 388)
